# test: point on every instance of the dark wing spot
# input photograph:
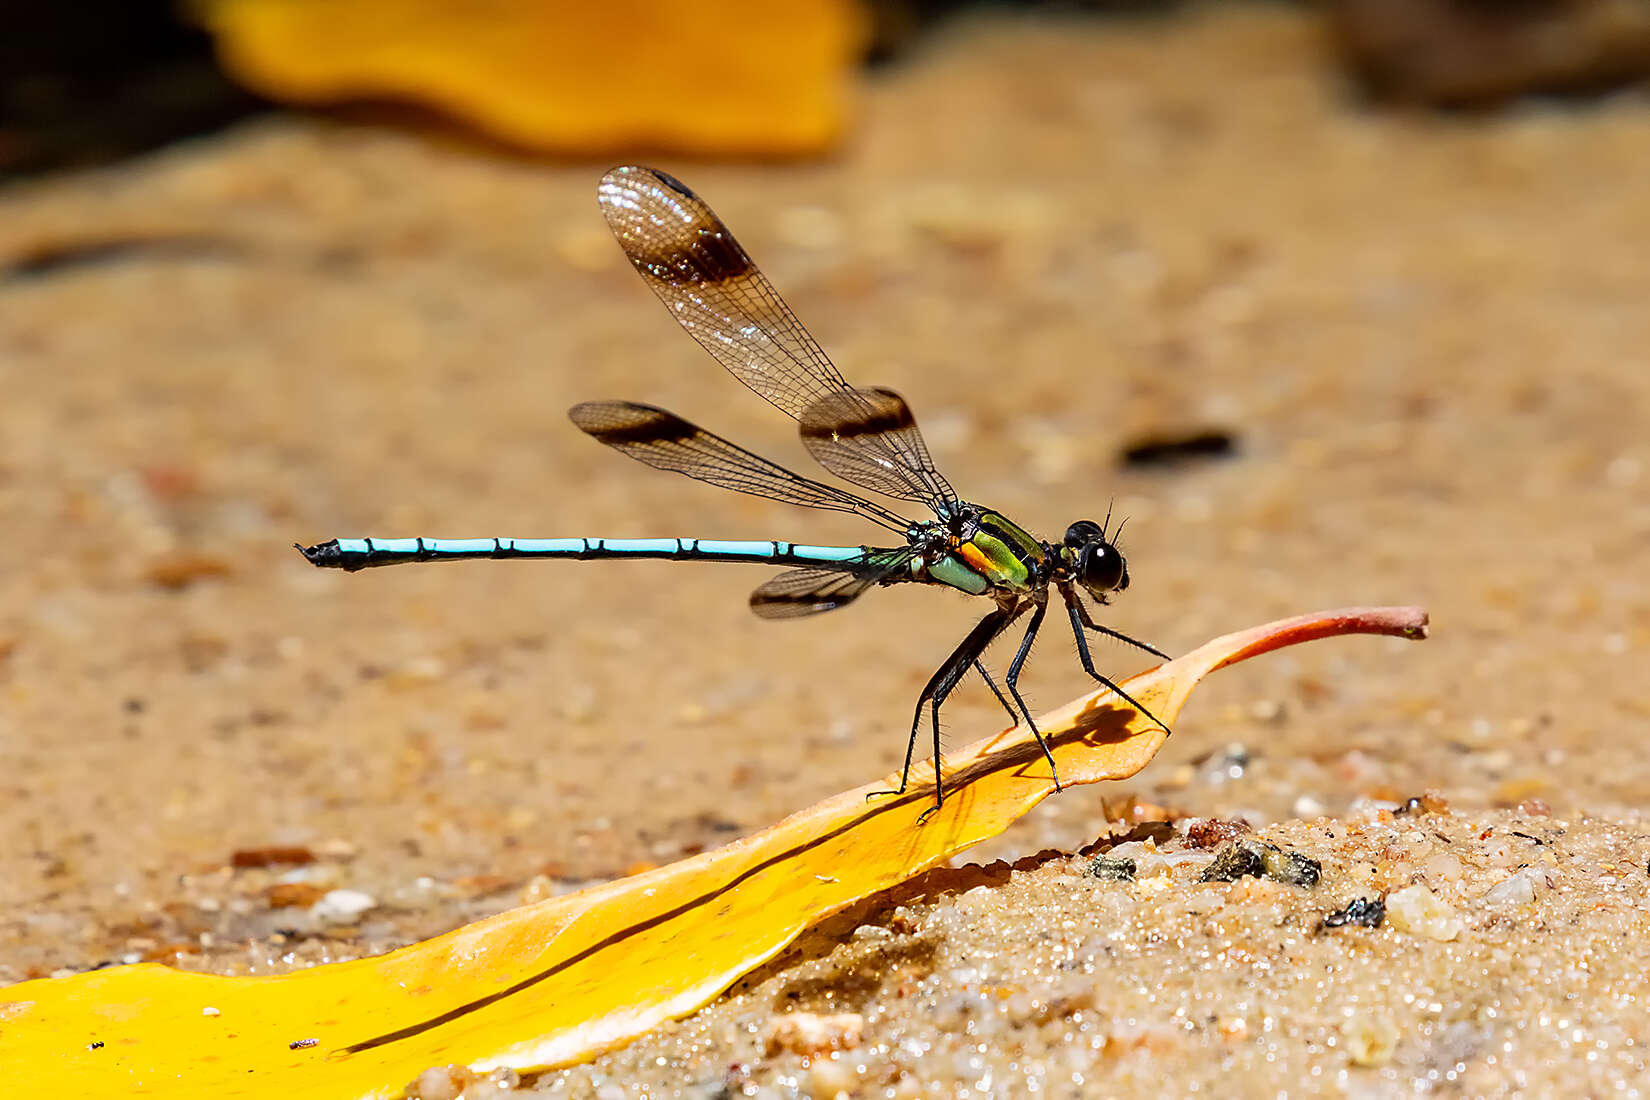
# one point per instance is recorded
(710, 256)
(620, 422)
(848, 415)
(673, 183)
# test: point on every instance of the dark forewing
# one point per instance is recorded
(665, 441)
(798, 592)
(709, 284)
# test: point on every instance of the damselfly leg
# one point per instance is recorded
(934, 694)
(1013, 681)
(1079, 619)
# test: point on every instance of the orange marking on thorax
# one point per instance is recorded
(975, 559)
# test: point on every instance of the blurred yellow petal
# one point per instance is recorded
(712, 77)
(566, 978)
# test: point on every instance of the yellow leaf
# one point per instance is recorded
(715, 76)
(566, 978)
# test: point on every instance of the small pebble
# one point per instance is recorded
(1268, 710)
(810, 1033)
(441, 1083)
(1365, 912)
(1440, 868)
(294, 854)
(1233, 861)
(1419, 911)
(1110, 868)
(1210, 832)
(342, 906)
(1262, 860)
(829, 1078)
(415, 672)
(336, 848)
(1429, 802)
(1517, 888)
(1369, 1042)
(293, 895)
(1290, 867)
(1306, 806)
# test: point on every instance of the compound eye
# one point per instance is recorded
(1101, 568)
(1083, 531)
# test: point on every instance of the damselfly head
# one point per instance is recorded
(1094, 560)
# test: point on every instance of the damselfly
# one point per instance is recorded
(865, 436)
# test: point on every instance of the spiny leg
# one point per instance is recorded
(940, 696)
(934, 682)
(1013, 681)
(1080, 613)
(939, 686)
(944, 682)
(1079, 617)
(1013, 715)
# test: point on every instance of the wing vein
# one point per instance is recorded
(708, 282)
(665, 441)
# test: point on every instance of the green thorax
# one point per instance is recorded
(996, 554)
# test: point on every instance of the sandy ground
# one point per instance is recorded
(1045, 980)
(1054, 239)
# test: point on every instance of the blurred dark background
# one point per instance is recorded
(93, 81)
